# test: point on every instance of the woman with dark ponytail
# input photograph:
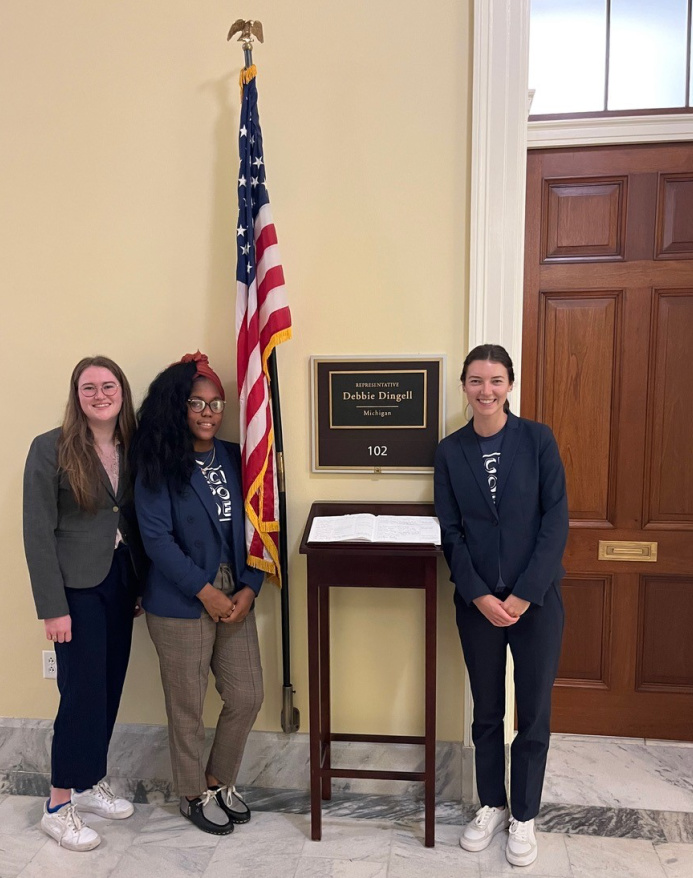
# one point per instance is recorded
(501, 500)
(200, 593)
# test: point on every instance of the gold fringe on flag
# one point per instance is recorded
(247, 73)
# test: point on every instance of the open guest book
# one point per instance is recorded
(364, 527)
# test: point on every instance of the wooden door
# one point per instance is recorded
(608, 364)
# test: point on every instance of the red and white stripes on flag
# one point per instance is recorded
(263, 321)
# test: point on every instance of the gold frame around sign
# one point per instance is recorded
(381, 426)
(316, 361)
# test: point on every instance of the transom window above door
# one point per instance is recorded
(603, 57)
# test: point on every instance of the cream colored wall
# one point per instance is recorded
(119, 163)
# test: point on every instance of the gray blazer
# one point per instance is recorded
(64, 545)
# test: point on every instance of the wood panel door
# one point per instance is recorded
(608, 364)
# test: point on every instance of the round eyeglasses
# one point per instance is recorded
(110, 388)
(195, 404)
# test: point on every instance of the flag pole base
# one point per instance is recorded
(291, 718)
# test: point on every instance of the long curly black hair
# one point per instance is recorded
(161, 450)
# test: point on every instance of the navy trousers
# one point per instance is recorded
(535, 643)
(91, 674)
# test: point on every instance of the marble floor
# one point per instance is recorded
(157, 843)
(613, 809)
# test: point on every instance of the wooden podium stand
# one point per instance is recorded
(366, 565)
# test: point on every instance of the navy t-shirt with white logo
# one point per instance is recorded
(216, 479)
(491, 447)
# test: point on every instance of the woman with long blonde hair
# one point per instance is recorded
(80, 540)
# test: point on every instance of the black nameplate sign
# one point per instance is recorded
(376, 415)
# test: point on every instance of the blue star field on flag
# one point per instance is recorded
(252, 191)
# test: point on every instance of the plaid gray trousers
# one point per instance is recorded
(188, 649)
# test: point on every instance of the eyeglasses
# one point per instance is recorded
(110, 388)
(195, 404)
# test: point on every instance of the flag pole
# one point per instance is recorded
(290, 716)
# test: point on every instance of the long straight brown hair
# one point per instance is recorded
(77, 456)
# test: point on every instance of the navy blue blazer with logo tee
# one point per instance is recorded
(524, 532)
(182, 537)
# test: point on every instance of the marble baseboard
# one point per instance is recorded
(619, 773)
(615, 739)
(611, 786)
(139, 762)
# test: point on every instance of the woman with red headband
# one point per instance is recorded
(199, 593)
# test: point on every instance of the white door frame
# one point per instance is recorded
(500, 139)
(613, 130)
(499, 159)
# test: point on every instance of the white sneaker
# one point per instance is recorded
(477, 834)
(66, 827)
(522, 843)
(102, 800)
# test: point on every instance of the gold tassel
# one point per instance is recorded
(247, 73)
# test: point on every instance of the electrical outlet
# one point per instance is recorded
(50, 665)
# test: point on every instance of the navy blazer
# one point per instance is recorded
(182, 537)
(524, 533)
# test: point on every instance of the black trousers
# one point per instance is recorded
(535, 643)
(91, 673)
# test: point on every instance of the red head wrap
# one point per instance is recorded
(204, 370)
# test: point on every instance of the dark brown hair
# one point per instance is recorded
(77, 456)
(494, 353)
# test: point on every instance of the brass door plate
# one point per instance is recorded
(626, 550)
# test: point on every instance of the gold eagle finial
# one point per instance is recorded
(247, 30)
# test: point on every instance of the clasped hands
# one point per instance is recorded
(501, 613)
(223, 608)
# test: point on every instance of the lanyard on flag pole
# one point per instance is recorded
(290, 716)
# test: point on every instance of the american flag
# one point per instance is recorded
(263, 321)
